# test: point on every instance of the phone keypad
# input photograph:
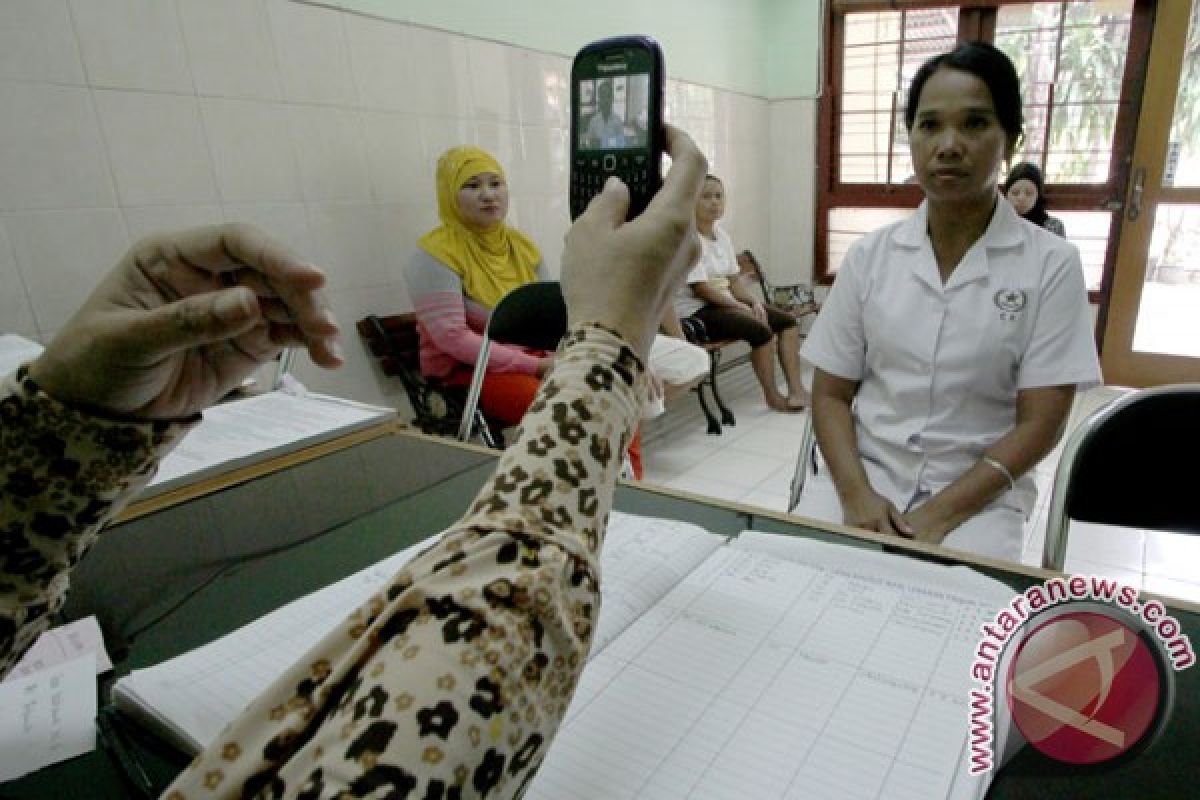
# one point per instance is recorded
(590, 172)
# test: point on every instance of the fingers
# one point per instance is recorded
(686, 175)
(608, 208)
(195, 321)
(287, 285)
(899, 522)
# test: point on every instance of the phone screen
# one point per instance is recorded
(616, 120)
(614, 111)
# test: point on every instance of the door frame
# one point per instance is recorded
(1119, 310)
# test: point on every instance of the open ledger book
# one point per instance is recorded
(764, 666)
(248, 430)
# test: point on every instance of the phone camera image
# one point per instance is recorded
(617, 111)
(616, 120)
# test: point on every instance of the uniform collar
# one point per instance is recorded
(1004, 230)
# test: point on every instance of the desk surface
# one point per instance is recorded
(1166, 770)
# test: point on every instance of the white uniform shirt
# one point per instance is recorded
(939, 366)
(717, 262)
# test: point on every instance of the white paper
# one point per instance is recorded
(244, 431)
(47, 717)
(769, 678)
(15, 351)
(64, 643)
(190, 698)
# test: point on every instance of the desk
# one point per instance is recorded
(392, 510)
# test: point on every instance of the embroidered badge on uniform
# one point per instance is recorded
(1011, 302)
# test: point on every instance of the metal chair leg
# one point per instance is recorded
(714, 425)
(804, 459)
(472, 403)
(727, 417)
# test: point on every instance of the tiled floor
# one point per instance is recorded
(753, 461)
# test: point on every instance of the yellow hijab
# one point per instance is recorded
(491, 261)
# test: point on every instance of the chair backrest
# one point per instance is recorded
(534, 316)
(394, 341)
(1129, 464)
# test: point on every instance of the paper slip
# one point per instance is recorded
(64, 643)
(47, 717)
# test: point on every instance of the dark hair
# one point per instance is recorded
(987, 64)
(1026, 171)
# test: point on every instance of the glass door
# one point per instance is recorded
(1152, 319)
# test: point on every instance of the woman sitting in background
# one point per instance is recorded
(466, 265)
(725, 309)
(460, 272)
(1025, 189)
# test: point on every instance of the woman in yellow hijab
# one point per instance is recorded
(461, 270)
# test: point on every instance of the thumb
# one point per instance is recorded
(198, 320)
(610, 206)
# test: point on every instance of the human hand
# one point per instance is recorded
(759, 311)
(924, 526)
(870, 510)
(183, 319)
(621, 274)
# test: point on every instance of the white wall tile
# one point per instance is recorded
(380, 61)
(156, 148)
(400, 172)
(330, 153)
(132, 44)
(287, 222)
(251, 151)
(51, 151)
(62, 255)
(146, 220)
(359, 378)
(15, 313)
(503, 141)
(542, 86)
(348, 246)
(439, 134)
(398, 227)
(541, 165)
(791, 200)
(314, 62)
(440, 73)
(37, 42)
(230, 48)
(492, 70)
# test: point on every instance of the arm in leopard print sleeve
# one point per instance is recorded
(453, 681)
(64, 474)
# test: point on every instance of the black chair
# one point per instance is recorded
(437, 408)
(1129, 464)
(534, 316)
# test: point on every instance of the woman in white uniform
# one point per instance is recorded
(949, 351)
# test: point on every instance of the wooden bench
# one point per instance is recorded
(437, 408)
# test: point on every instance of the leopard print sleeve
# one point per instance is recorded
(64, 474)
(453, 681)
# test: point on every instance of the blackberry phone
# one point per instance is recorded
(616, 120)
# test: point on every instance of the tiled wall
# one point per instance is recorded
(121, 117)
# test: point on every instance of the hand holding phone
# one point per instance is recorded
(616, 120)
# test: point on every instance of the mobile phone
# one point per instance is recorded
(616, 120)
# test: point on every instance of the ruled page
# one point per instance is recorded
(769, 678)
(190, 698)
(251, 429)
